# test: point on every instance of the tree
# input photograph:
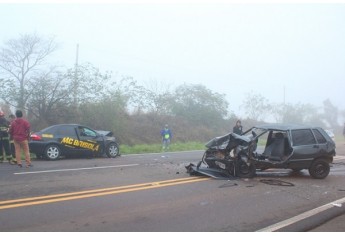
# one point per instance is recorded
(87, 83)
(330, 114)
(256, 106)
(297, 113)
(199, 105)
(20, 61)
(157, 97)
(50, 97)
(107, 114)
(132, 96)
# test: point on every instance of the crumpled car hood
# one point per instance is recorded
(228, 141)
(105, 133)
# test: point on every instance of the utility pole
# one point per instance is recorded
(75, 82)
(284, 106)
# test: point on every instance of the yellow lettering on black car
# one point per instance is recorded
(67, 140)
(76, 143)
(86, 145)
(63, 140)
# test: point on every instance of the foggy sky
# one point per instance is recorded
(233, 49)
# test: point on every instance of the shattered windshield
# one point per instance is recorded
(232, 140)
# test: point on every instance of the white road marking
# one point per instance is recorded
(61, 170)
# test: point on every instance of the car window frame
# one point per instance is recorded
(297, 143)
(87, 134)
(71, 132)
(316, 131)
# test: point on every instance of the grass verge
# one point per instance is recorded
(156, 148)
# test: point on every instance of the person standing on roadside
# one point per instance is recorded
(14, 161)
(4, 139)
(20, 133)
(238, 128)
(166, 138)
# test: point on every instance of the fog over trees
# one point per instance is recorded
(51, 94)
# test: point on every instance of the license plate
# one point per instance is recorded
(221, 165)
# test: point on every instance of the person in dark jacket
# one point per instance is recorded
(14, 161)
(4, 139)
(20, 132)
(238, 128)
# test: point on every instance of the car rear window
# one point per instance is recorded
(319, 137)
(302, 137)
(49, 130)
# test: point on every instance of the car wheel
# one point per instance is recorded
(52, 152)
(243, 170)
(319, 169)
(112, 150)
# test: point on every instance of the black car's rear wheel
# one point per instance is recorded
(52, 152)
(112, 150)
(319, 169)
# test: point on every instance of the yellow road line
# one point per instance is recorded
(94, 193)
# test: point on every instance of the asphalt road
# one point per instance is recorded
(334, 219)
(153, 193)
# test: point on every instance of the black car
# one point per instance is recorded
(280, 146)
(72, 140)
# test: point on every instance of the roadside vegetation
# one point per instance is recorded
(157, 148)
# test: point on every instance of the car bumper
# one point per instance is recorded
(36, 147)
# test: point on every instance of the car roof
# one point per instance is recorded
(283, 126)
(66, 125)
(58, 125)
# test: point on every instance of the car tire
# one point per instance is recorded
(112, 150)
(243, 170)
(319, 169)
(52, 152)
